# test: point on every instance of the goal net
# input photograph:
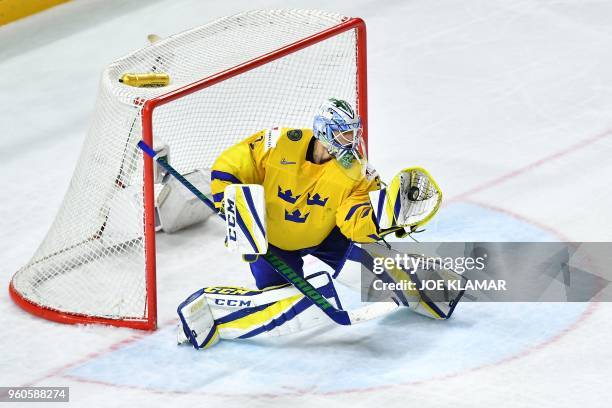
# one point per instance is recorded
(228, 79)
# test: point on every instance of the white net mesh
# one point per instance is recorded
(92, 261)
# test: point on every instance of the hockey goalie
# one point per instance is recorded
(297, 192)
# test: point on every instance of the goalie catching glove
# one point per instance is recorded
(409, 201)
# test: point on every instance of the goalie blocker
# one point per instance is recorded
(245, 219)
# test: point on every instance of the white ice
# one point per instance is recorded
(507, 103)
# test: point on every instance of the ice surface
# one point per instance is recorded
(507, 103)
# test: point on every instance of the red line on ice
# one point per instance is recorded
(521, 170)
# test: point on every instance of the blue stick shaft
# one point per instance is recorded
(301, 284)
(150, 152)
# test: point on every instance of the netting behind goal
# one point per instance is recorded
(229, 79)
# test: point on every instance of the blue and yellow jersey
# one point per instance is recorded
(304, 200)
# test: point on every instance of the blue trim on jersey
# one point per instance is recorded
(353, 209)
(224, 176)
(217, 198)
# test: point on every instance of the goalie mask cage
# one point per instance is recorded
(229, 79)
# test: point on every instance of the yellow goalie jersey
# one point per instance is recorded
(304, 200)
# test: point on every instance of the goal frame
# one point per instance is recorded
(149, 106)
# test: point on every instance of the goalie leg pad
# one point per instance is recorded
(197, 322)
(239, 313)
(435, 304)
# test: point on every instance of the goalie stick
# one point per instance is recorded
(340, 316)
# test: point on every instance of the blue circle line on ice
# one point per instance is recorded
(400, 348)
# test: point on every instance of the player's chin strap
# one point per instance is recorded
(340, 316)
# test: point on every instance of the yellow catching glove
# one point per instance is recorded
(408, 202)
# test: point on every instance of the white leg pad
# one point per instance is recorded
(197, 322)
(231, 312)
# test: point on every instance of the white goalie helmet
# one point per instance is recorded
(338, 127)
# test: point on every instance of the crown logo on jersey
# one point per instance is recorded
(296, 216)
(287, 195)
(316, 200)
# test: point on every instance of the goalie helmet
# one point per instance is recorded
(338, 128)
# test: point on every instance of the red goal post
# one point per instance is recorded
(162, 115)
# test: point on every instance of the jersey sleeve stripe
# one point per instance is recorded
(353, 209)
(223, 176)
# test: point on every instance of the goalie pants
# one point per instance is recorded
(334, 250)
